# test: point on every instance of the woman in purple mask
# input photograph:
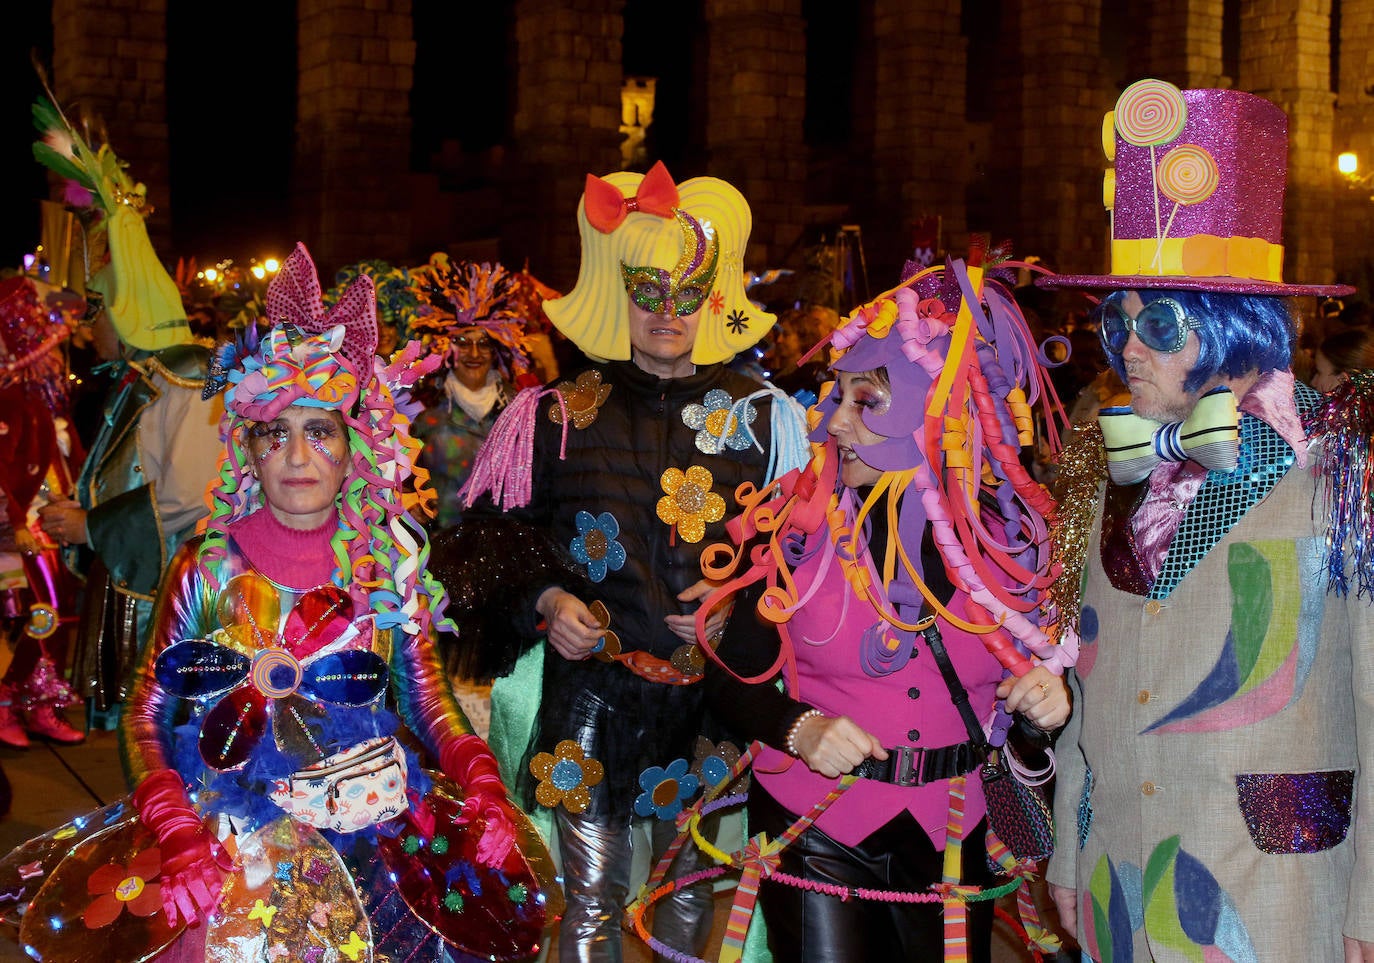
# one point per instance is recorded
(898, 595)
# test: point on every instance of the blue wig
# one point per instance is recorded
(1239, 332)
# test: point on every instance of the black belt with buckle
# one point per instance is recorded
(918, 765)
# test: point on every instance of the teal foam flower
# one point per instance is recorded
(595, 545)
(665, 790)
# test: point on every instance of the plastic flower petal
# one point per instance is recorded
(665, 790)
(595, 545)
(690, 503)
(565, 776)
(117, 888)
(711, 762)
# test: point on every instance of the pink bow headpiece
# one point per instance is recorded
(606, 208)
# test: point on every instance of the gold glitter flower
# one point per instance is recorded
(690, 503)
(565, 776)
(583, 399)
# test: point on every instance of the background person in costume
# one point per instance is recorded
(1216, 776)
(626, 466)
(914, 528)
(1341, 355)
(469, 318)
(142, 487)
(282, 796)
(42, 457)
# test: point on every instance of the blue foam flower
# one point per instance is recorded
(595, 545)
(665, 790)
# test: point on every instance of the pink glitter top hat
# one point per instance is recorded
(1196, 194)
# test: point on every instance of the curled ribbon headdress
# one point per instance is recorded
(463, 294)
(964, 373)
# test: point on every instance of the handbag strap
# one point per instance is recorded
(957, 693)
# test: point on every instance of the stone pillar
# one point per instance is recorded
(1062, 163)
(568, 79)
(110, 65)
(755, 88)
(1184, 45)
(1352, 223)
(919, 132)
(351, 184)
(1286, 57)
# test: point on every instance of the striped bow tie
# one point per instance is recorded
(1210, 436)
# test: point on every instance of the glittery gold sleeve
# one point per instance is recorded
(1082, 471)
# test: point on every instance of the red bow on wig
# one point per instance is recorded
(606, 208)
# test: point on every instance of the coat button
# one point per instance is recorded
(1148, 788)
(1143, 696)
(1153, 607)
(913, 734)
(913, 693)
(138, 469)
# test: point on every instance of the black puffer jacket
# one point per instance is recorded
(616, 464)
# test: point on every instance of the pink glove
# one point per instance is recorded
(193, 862)
(469, 762)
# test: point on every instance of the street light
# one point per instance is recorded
(1349, 166)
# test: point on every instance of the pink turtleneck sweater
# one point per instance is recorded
(293, 557)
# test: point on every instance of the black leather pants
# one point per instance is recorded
(807, 926)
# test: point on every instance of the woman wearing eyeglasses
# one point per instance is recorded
(470, 314)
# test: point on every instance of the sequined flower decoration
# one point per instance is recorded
(689, 503)
(583, 399)
(665, 790)
(595, 545)
(287, 678)
(117, 888)
(717, 425)
(565, 776)
(713, 763)
(737, 322)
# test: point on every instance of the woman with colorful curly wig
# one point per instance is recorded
(304, 783)
(897, 586)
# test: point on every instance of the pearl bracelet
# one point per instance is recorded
(796, 728)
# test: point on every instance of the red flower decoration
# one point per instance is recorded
(116, 887)
(717, 302)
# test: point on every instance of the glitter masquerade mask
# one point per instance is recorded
(630, 222)
(686, 286)
(1161, 325)
(1195, 194)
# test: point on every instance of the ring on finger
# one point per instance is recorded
(1044, 688)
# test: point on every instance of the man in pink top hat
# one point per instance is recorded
(1214, 782)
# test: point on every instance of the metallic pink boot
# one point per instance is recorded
(43, 698)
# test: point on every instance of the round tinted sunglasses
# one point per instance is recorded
(1161, 325)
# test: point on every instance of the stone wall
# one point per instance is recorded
(110, 65)
(351, 192)
(1029, 169)
(1352, 214)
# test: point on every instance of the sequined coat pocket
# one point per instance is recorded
(1296, 812)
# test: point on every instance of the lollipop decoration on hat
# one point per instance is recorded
(1195, 194)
